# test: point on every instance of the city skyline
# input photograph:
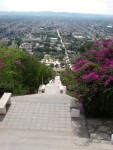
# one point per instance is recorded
(76, 6)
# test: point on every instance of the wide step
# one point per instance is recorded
(38, 140)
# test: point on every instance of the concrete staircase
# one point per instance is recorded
(41, 140)
(42, 122)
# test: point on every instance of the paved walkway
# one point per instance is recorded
(36, 113)
(49, 111)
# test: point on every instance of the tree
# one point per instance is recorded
(21, 73)
(18, 41)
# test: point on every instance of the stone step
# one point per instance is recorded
(45, 95)
(39, 140)
(55, 98)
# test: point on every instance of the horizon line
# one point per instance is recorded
(14, 11)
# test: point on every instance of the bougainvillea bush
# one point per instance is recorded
(93, 72)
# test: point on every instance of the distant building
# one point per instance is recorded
(26, 46)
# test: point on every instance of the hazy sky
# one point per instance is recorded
(81, 6)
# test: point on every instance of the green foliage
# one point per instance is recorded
(21, 73)
(38, 55)
(81, 45)
(18, 41)
(68, 80)
(10, 70)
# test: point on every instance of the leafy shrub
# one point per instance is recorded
(21, 73)
(68, 80)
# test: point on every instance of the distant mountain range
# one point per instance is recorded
(55, 14)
